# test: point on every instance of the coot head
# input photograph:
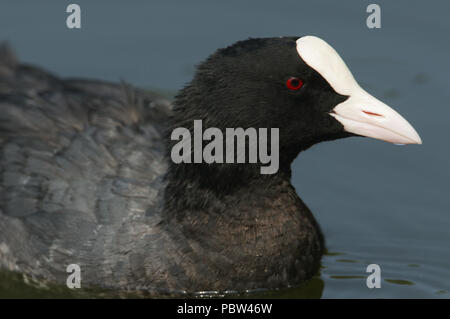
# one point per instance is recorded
(299, 85)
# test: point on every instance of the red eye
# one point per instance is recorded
(294, 84)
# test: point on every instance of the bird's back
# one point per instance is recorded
(81, 165)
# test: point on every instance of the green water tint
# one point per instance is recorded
(312, 289)
(347, 277)
(166, 93)
(399, 282)
(16, 285)
(391, 94)
(347, 261)
(329, 253)
(421, 78)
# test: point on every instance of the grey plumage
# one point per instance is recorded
(81, 170)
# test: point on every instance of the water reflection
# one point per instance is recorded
(15, 285)
(347, 277)
(312, 289)
(409, 269)
(399, 281)
(421, 78)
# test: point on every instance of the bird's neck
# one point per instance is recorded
(193, 187)
(201, 186)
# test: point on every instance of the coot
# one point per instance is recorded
(86, 175)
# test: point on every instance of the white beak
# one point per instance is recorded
(364, 115)
(361, 113)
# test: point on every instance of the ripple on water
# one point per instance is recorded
(409, 269)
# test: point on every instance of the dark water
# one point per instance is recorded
(376, 202)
